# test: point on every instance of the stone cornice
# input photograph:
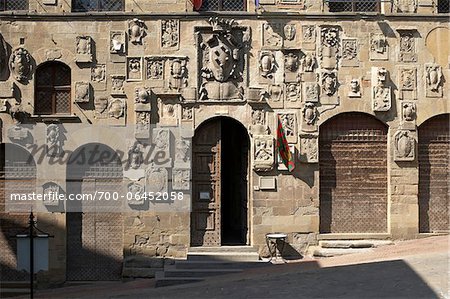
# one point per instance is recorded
(121, 16)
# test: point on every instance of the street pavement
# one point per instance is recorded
(408, 269)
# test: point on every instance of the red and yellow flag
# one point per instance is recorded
(283, 148)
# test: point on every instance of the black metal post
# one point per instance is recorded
(31, 222)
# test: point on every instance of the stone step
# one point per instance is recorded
(223, 256)
(354, 243)
(199, 272)
(15, 284)
(329, 252)
(162, 281)
(12, 292)
(218, 264)
(223, 249)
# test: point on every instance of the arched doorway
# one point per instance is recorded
(94, 228)
(353, 174)
(434, 174)
(219, 197)
(17, 176)
(53, 81)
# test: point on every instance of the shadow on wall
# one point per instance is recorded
(85, 260)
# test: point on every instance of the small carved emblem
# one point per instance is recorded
(20, 64)
(82, 92)
(404, 146)
(169, 33)
(289, 31)
(136, 31)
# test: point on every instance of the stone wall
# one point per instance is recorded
(305, 70)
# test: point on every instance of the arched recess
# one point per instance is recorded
(219, 180)
(53, 88)
(434, 174)
(94, 237)
(17, 176)
(353, 174)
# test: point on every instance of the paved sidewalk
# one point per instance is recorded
(409, 269)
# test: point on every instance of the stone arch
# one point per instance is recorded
(437, 42)
(353, 159)
(212, 117)
(354, 106)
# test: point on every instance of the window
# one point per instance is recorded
(223, 5)
(353, 5)
(52, 89)
(98, 5)
(443, 6)
(13, 5)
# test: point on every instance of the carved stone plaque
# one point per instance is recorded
(407, 48)
(309, 148)
(271, 35)
(117, 42)
(310, 116)
(381, 92)
(289, 122)
(263, 152)
(350, 52)
(222, 54)
(311, 92)
(170, 34)
(82, 92)
(407, 83)
(434, 80)
(274, 96)
(408, 115)
(330, 43)
(379, 48)
(404, 146)
(134, 68)
(84, 49)
(181, 179)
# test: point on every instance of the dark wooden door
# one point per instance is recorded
(206, 197)
(434, 174)
(94, 227)
(353, 175)
(94, 239)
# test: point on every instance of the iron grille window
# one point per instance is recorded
(223, 5)
(6, 5)
(98, 5)
(52, 89)
(353, 5)
(443, 6)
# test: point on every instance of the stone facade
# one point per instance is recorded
(162, 63)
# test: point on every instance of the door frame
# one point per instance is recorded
(249, 178)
